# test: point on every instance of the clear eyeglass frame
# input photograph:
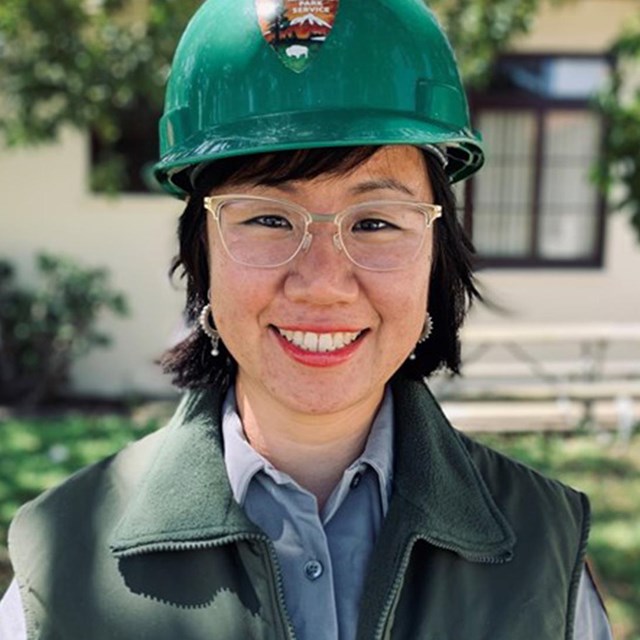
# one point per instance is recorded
(214, 204)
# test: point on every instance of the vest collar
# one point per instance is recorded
(185, 500)
(439, 492)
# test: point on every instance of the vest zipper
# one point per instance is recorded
(277, 575)
(395, 587)
(274, 566)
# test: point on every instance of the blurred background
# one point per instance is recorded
(551, 369)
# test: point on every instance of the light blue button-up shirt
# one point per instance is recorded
(323, 555)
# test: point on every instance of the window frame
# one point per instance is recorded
(540, 107)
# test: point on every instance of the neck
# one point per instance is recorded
(314, 449)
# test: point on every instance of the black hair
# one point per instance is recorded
(452, 287)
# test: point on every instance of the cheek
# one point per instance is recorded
(420, 277)
(401, 300)
(227, 279)
(417, 306)
(414, 306)
(239, 296)
(226, 286)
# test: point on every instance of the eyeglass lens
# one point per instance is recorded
(378, 236)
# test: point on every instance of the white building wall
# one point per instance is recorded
(575, 26)
(558, 295)
(609, 294)
(46, 205)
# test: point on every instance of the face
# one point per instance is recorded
(320, 294)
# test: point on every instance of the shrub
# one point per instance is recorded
(43, 330)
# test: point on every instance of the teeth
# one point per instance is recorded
(325, 342)
(316, 342)
(310, 342)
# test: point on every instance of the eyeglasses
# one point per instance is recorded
(382, 235)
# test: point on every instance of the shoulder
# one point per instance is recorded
(99, 492)
(550, 520)
(422, 424)
(514, 485)
(64, 532)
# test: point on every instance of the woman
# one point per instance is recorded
(309, 486)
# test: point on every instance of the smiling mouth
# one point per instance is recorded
(319, 342)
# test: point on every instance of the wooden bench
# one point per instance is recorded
(557, 376)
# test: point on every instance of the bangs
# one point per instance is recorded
(271, 169)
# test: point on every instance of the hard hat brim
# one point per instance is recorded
(313, 129)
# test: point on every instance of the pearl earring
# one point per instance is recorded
(424, 335)
(209, 327)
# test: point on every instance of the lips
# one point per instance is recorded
(313, 342)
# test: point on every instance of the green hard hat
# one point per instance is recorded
(255, 76)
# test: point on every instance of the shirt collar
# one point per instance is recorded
(240, 458)
(185, 499)
(243, 462)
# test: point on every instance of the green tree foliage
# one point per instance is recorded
(619, 170)
(480, 29)
(93, 64)
(43, 330)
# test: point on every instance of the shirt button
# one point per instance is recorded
(313, 569)
(355, 481)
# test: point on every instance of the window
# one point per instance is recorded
(125, 163)
(533, 204)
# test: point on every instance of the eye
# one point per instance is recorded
(373, 224)
(271, 221)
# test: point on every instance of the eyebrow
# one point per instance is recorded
(359, 189)
(381, 183)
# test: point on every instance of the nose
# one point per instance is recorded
(308, 239)
(321, 273)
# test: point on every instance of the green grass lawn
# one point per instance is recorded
(38, 453)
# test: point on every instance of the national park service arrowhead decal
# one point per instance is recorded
(296, 29)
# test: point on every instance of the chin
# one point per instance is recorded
(325, 396)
